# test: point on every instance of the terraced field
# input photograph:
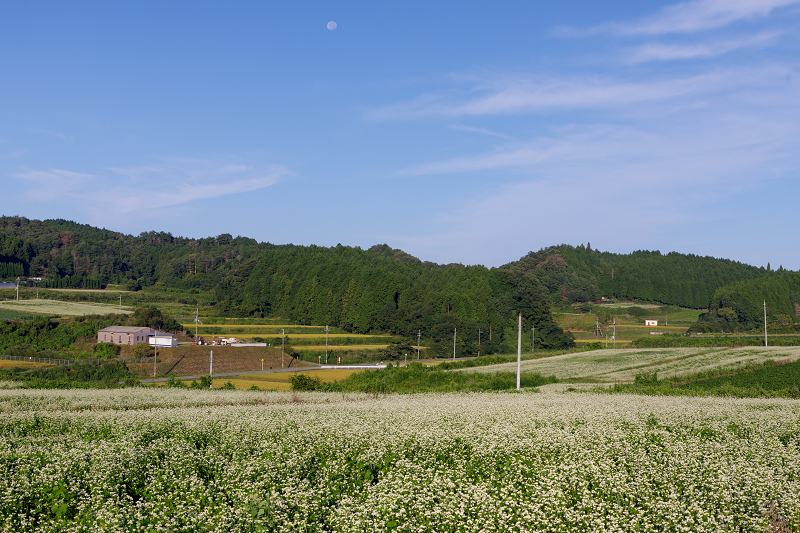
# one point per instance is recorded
(307, 338)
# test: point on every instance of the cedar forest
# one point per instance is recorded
(387, 290)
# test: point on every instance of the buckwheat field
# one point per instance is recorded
(177, 460)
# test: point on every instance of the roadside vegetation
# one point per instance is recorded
(416, 378)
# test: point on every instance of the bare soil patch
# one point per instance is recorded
(194, 360)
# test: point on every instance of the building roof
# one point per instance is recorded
(128, 329)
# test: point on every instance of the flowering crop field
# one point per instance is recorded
(623, 364)
(178, 460)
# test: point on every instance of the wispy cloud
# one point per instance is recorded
(638, 184)
(143, 190)
(54, 184)
(482, 131)
(689, 17)
(668, 52)
(577, 93)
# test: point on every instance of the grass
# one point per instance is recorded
(6, 314)
(21, 364)
(421, 378)
(244, 384)
(277, 380)
(106, 290)
(321, 347)
(772, 378)
(57, 307)
(326, 376)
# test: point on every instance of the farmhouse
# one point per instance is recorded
(650, 322)
(135, 335)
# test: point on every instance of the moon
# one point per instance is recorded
(332, 25)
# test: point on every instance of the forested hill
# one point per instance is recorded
(740, 306)
(580, 274)
(379, 289)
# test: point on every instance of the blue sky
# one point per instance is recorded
(459, 132)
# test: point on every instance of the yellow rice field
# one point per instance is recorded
(277, 380)
(332, 347)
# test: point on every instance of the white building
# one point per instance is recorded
(650, 322)
(135, 335)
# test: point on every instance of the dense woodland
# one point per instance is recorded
(383, 289)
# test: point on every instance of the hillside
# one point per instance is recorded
(362, 291)
(740, 306)
(357, 290)
(580, 274)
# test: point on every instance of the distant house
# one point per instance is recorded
(650, 322)
(126, 335)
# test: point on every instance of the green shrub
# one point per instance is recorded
(106, 350)
(303, 382)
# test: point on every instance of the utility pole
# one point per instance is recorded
(211, 369)
(155, 353)
(282, 336)
(120, 305)
(479, 342)
(614, 336)
(533, 335)
(419, 337)
(454, 344)
(17, 288)
(765, 324)
(327, 328)
(519, 350)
